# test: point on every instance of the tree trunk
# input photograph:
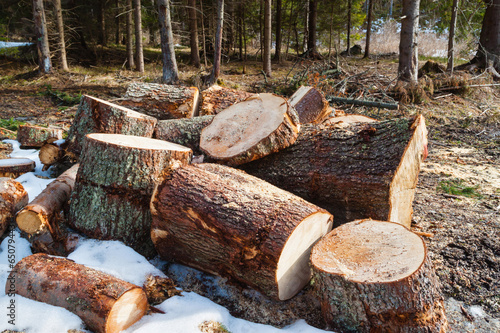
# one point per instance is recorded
(374, 276)
(13, 197)
(310, 104)
(30, 136)
(349, 22)
(105, 304)
(139, 63)
(193, 33)
(60, 32)
(170, 72)
(42, 39)
(451, 37)
(162, 101)
(14, 167)
(338, 168)
(216, 99)
(267, 38)
(118, 36)
(114, 185)
(97, 116)
(279, 15)
(408, 48)
(369, 28)
(225, 222)
(130, 46)
(311, 40)
(214, 74)
(249, 130)
(103, 36)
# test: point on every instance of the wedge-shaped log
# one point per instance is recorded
(359, 171)
(162, 101)
(13, 197)
(374, 276)
(223, 221)
(14, 167)
(37, 136)
(310, 104)
(105, 303)
(98, 116)
(216, 98)
(246, 131)
(114, 185)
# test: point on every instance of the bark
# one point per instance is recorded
(139, 62)
(105, 304)
(249, 130)
(97, 116)
(339, 168)
(14, 167)
(267, 39)
(36, 136)
(374, 276)
(225, 222)
(310, 104)
(162, 101)
(170, 72)
(216, 99)
(60, 32)
(103, 36)
(369, 28)
(311, 40)
(130, 46)
(114, 185)
(13, 197)
(42, 39)
(214, 74)
(408, 47)
(349, 21)
(193, 33)
(279, 15)
(451, 37)
(118, 35)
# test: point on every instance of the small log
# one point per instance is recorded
(14, 167)
(162, 101)
(373, 276)
(217, 98)
(30, 136)
(97, 116)
(372, 104)
(105, 303)
(54, 152)
(310, 104)
(225, 222)
(249, 130)
(349, 119)
(114, 185)
(13, 197)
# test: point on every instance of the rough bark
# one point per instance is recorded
(139, 57)
(170, 72)
(42, 39)
(36, 136)
(368, 28)
(225, 222)
(310, 104)
(193, 34)
(97, 116)
(14, 167)
(13, 197)
(311, 39)
(216, 98)
(114, 184)
(279, 15)
(250, 130)
(353, 172)
(214, 74)
(130, 38)
(162, 101)
(267, 39)
(105, 304)
(60, 32)
(408, 48)
(374, 276)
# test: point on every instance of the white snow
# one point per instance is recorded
(183, 314)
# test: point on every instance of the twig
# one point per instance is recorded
(442, 96)
(424, 234)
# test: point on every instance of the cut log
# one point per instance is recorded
(249, 130)
(36, 136)
(225, 222)
(162, 101)
(374, 276)
(310, 104)
(185, 132)
(364, 170)
(349, 119)
(13, 197)
(14, 167)
(114, 185)
(54, 152)
(105, 303)
(97, 116)
(217, 98)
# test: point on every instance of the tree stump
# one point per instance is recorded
(216, 99)
(246, 131)
(13, 197)
(114, 185)
(374, 276)
(310, 104)
(30, 136)
(97, 116)
(162, 101)
(359, 171)
(14, 167)
(225, 222)
(105, 303)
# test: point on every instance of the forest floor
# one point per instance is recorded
(457, 203)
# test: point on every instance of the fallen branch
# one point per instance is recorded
(375, 104)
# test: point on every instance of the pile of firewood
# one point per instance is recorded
(260, 212)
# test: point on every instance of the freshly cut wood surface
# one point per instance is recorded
(249, 130)
(105, 303)
(36, 136)
(14, 167)
(226, 222)
(95, 115)
(310, 104)
(216, 98)
(375, 276)
(162, 101)
(364, 170)
(349, 119)
(13, 197)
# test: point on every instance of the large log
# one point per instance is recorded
(374, 276)
(162, 101)
(310, 104)
(13, 197)
(15, 167)
(223, 221)
(216, 98)
(114, 185)
(250, 130)
(359, 171)
(97, 116)
(105, 303)
(37, 136)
